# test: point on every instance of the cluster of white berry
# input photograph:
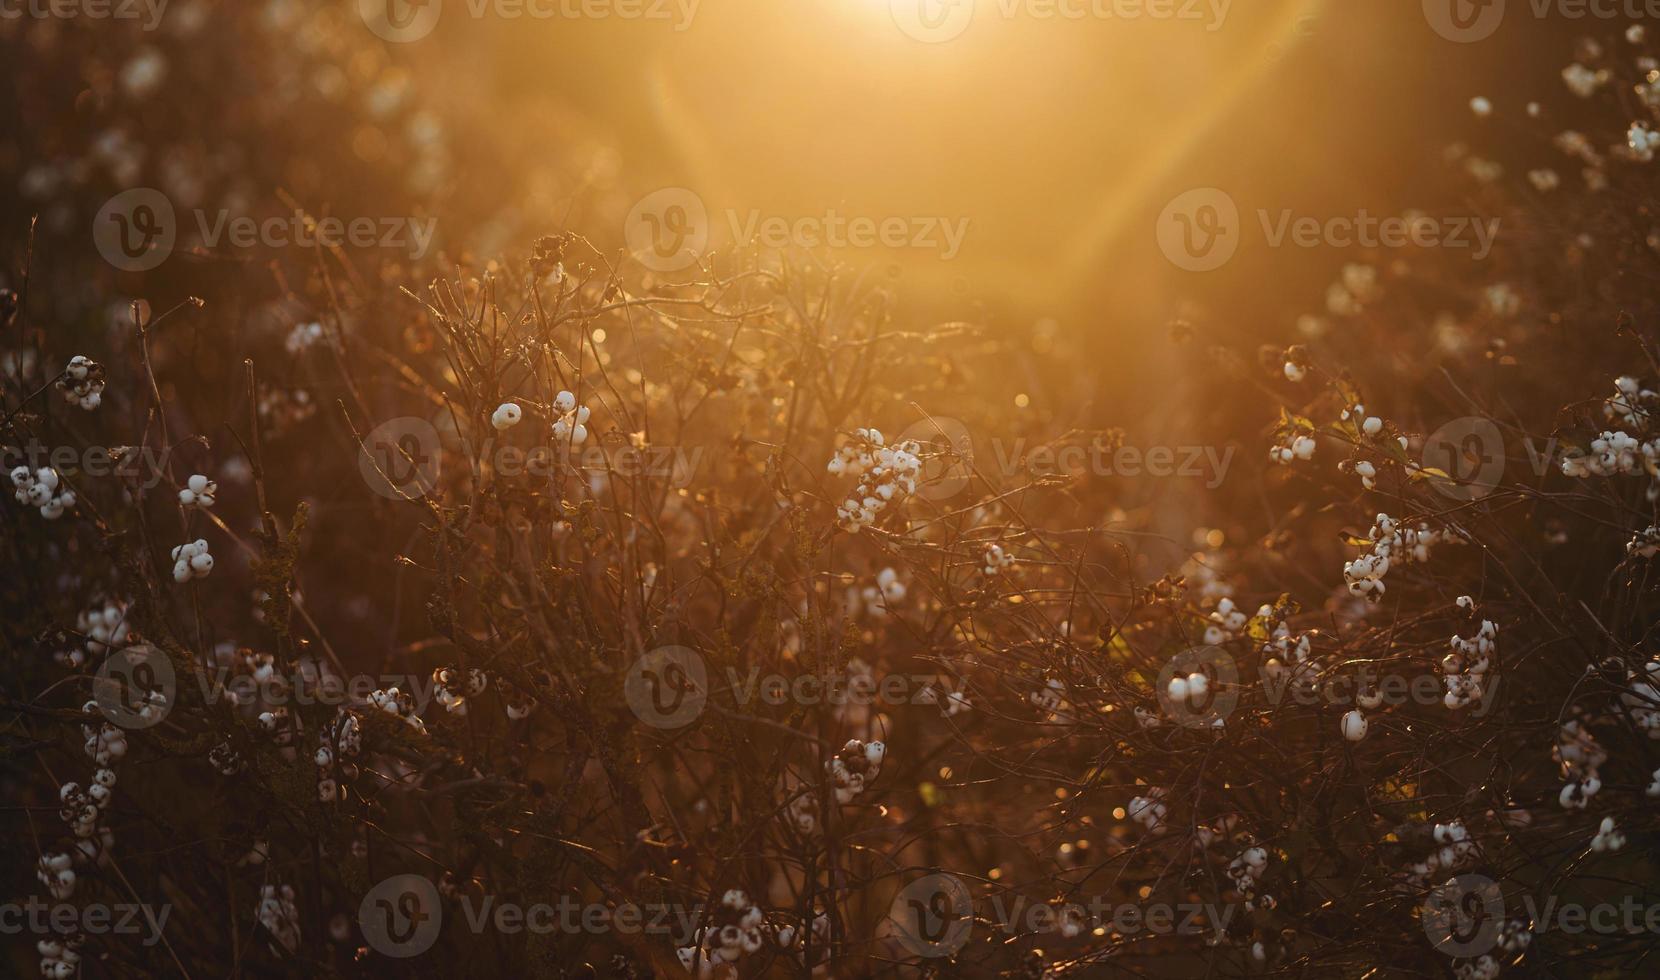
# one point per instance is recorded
(1456, 847)
(1584, 82)
(885, 473)
(277, 912)
(1371, 426)
(302, 337)
(1392, 541)
(1245, 871)
(1641, 140)
(803, 811)
(1051, 700)
(1149, 810)
(1581, 759)
(82, 382)
(1614, 454)
(198, 492)
(794, 939)
(1204, 835)
(1645, 544)
(1226, 620)
(1296, 364)
(225, 759)
(191, 560)
(399, 705)
(1608, 837)
(737, 929)
(1642, 698)
(1514, 937)
(258, 666)
(103, 627)
(106, 744)
(60, 958)
(1502, 300)
(452, 690)
(56, 871)
(1465, 669)
(337, 745)
(1358, 287)
(1287, 655)
(997, 560)
(1299, 447)
(506, 416)
(572, 424)
(42, 488)
(1631, 404)
(1185, 690)
(1483, 967)
(951, 703)
(855, 767)
(275, 722)
(517, 702)
(875, 600)
(83, 811)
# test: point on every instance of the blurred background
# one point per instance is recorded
(1050, 143)
(1057, 140)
